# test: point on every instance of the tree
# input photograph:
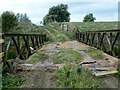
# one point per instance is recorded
(57, 13)
(89, 18)
(9, 21)
(18, 16)
(23, 18)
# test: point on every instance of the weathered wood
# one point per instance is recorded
(31, 67)
(104, 68)
(105, 73)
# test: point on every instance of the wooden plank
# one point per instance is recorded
(104, 68)
(105, 73)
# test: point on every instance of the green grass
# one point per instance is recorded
(71, 76)
(57, 35)
(61, 38)
(11, 81)
(52, 31)
(69, 33)
(118, 73)
(93, 26)
(66, 56)
(49, 39)
(11, 54)
(85, 26)
(37, 57)
(95, 53)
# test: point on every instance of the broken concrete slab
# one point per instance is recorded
(99, 67)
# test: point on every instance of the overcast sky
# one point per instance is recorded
(106, 10)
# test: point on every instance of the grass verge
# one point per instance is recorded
(71, 76)
(96, 54)
(93, 26)
(37, 57)
(118, 74)
(61, 38)
(11, 81)
(57, 34)
(69, 34)
(67, 55)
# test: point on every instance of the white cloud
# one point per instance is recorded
(108, 18)
(37, 9)
(94, 7)
(103, 11)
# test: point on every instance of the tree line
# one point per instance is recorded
(60, 13)
(57, 13)
(10, 20)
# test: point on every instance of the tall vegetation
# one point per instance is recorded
(89, 18)
(9, 21)
(15, 23)
(57, 13)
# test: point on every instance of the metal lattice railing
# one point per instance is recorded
(106, 40)
(23, 44)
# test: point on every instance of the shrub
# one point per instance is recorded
(12, 81)
(9, 21)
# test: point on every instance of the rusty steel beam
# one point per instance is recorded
(23, 42)
(101, 31)
(23, 35)
(98, 39)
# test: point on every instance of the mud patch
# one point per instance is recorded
(38, 79)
